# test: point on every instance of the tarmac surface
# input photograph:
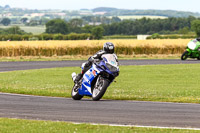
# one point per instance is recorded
(11, 66)
(103, 111)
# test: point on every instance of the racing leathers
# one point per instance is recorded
(88, 64)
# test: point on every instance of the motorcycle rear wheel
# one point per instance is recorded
(100, 88)
(185, 55)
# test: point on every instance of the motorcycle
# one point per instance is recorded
(192, 51)
(96, 80)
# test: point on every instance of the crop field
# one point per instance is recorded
(89, 47)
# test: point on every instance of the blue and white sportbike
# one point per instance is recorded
(97, 79)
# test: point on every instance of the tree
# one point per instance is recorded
(155, 36)
(15, 30)
(7, 6)
(76, 22)
(57, 26)
(6, 21)
(24, 20)
(196, 27)
(184, 30)
(87, 29)
(43, 21)
(75, 25)
(33, 23)
(97, 32)
(12, 30)
(115, 19)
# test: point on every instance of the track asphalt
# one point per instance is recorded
(11, 66)
(103, 111)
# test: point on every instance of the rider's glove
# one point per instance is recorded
(91, 59)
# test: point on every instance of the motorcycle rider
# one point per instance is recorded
(108, 48)
(198, 39)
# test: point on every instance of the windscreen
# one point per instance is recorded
(192, 45)
(111, 59)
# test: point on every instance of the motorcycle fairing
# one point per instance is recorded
(88, 77)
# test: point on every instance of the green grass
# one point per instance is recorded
(165, 83)
(32, 126)
(33, 29)
(29, 29)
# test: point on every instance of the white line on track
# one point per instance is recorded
(23, 95)
(118, 125)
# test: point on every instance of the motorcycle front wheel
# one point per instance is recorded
(185, 55)
(75, 95)
(100, 88)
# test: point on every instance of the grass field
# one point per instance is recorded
(165, 83)
(30, 29)
(34, 29)
(32, 126)
(85, 57)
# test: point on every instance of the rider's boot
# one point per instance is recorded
(73, 76)
(80, 75)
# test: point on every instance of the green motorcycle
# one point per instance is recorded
(192, 51)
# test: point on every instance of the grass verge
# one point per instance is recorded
(82, 57)
(26, 126)
(165, 83)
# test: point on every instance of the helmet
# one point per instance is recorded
(198, 39)
(109, 47)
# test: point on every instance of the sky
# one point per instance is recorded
(180, 5)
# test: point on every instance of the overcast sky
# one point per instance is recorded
(180, 5)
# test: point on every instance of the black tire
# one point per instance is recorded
(198, 58)
(75, 94)
(185, 55)
(100, 88)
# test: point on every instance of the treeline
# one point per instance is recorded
(12, 30)
(150, 26)
(126, 27)
(62, 29)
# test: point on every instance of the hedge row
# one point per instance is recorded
(120, 37)
(157, 36)
(72, 36)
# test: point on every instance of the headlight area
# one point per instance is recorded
(116, 74)
(192, 45)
